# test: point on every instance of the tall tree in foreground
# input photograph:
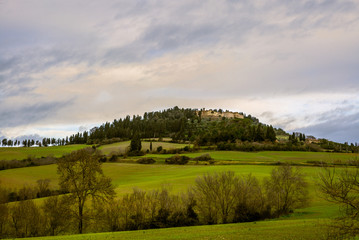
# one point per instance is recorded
(81, 175)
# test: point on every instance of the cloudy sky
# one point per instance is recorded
(66, 66)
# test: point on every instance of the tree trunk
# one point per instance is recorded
(80, 217)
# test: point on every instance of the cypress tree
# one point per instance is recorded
(135, 145)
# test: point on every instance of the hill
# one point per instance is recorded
(223, 130)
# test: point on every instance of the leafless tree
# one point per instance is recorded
(341, 186)
(286, 189)
(56, 211)
(215, 195)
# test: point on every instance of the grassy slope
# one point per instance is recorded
(272, 230)
(127, 176)
(19, 153)
(270, 156)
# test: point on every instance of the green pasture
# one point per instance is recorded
(270, 157)
(121, 147)
(20, 153)
(304, 223)
(176, 177)
(126, 176)
(271, 230)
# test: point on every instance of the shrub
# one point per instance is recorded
(186, 148)
(204, 157)
(113, 158)
(177, 159)
(146, 160)
(135, 153)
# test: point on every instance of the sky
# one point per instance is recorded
(66, 66)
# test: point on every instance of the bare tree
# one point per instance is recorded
(26, 219)
(81, 175)
(342, 187)
(286, 189)
(4, 219)
(43, 187)
(56, 211)
(215, 194)
(251, 204)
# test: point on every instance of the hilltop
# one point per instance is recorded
(220, 129)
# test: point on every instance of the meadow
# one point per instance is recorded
(148, 177)
(305, 223)
(269, 157)
(20, 153)
(271, 230)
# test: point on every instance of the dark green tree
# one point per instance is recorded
(270, 134)
(294, 138)
(259, 134)
(135, 145)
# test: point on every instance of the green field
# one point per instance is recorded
(271, 230)
(127, 176)
(19, 153)
(270, 157)
(304, 223)
(121, 147)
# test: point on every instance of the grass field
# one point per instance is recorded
(127, 176)
(272, 230)
(270, 157)
(19, 153)
(304, 223)
(121, 147)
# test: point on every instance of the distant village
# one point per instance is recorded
(216, 114)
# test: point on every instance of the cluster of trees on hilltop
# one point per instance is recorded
(180, 125)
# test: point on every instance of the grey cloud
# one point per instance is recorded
(343, 128)
(30, 136)
(30, 114)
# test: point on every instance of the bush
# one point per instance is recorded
(174, 151)
(204, 157)
(146, 160)
(135, 153)
(186, 149)
(113, 158)
(177, 159)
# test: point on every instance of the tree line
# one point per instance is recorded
(92, 206)
(31, 142)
